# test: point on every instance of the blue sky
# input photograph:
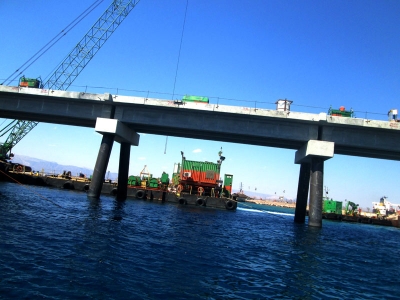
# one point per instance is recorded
(315, 53)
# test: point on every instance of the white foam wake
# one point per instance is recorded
(265, 211)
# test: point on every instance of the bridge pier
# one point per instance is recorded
(302, 193)
(101, 166)
(123, 169)
(112, 129)
(313, 154)
(316, 192)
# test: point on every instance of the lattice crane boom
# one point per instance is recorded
(90, 44)
(74, 63)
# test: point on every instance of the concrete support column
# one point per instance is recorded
(123, 170)
(302, 193)
(113, 129)
(313, 153)
(316, 192)
(101, 166)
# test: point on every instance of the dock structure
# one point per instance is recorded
(314, 137)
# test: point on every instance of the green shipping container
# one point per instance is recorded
(199, 171)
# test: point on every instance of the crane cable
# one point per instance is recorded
(180, 47)
(177, 65)
(52, 42)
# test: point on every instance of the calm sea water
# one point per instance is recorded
(57, 244)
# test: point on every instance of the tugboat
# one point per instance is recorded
(240, 196)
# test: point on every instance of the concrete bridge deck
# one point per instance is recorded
(263, 127)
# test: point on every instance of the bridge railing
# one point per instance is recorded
(248, 103)
(253, 104)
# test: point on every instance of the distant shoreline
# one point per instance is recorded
(272, 203)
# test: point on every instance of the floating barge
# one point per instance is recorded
(333, 210)
(194, 183)
(363, 219)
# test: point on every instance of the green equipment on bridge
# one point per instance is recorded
(197, 99)
(30, 82)
(341, 112)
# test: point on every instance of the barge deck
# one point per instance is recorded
(110, 188)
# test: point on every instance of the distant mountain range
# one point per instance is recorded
(53, 167)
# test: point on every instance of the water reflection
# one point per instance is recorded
(104, 248)
(118, 209)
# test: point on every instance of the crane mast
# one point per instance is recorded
(74, 63)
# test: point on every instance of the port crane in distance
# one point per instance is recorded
(69, 68)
